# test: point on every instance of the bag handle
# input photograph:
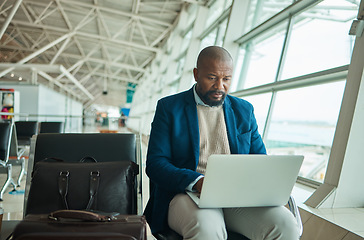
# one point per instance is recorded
(94, 186)
(82, 215)
(88, 158)
(63, 186)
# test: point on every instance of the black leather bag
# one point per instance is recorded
(103, 186)
(76, 224)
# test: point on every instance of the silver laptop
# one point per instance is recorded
(248, 180)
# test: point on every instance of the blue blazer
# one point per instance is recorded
(173, 149)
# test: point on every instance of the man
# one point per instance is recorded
(187, 128)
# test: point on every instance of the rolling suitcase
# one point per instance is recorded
(80, 224)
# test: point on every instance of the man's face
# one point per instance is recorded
(213, 79)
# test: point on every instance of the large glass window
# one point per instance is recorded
(261, 10)
(320, 39)
(216, 36)
(303, 114)
(303, 123)
(261, 106)
(209, 40)
(216, 9)
(261, 57)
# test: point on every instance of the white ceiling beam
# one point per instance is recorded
(64, 15)
(142, 32)
(36, 53)
(10, 37)
(161, 36)
(132, 30)
(39, 67)
(76, 82)
(25, 10)
(136, 5)
(10, 17)
(60, 50)
(85, 78)
(105, 52)
(86, 19)
(89, 36)
(123, 28)
(116, 64)
(3, 11)
(104, 25)
(52, 80)
(41, 17)
(41, 38)
(79, 63)
(126, 14)
(115, 77)
(23, 37)
(100, 61)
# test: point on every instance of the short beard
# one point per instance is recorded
(205, 98)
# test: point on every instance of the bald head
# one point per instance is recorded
(213, 75)
(214, 53)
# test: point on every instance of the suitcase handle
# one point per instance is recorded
(82, 215)
(88, 158)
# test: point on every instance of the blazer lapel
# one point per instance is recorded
(192, 122)
(230, 125)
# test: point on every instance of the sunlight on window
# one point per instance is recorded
(261, 105)
(303, 123)
(261, 10)
(261, 57)
(320, 39)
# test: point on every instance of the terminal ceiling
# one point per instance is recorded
(84, 48)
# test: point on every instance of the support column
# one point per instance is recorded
(193, 50)
(342, 185)
(236, 24)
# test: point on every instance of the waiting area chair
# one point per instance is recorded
(71, 147)
(51, 127)
(25, 130)
(16, 157)
(5, 166)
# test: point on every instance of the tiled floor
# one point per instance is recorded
(12, 203)
(351, 219)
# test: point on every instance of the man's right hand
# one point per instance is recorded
(198, 185)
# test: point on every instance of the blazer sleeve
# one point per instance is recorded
(160, 165)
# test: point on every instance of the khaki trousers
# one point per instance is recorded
(194, 223)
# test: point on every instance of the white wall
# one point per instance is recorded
(28, 100)
(350, 191)
(74, 109)
(50, 103)
(39, 100)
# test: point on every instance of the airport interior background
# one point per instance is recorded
(102, 65)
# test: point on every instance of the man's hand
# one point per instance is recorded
(198, 185)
